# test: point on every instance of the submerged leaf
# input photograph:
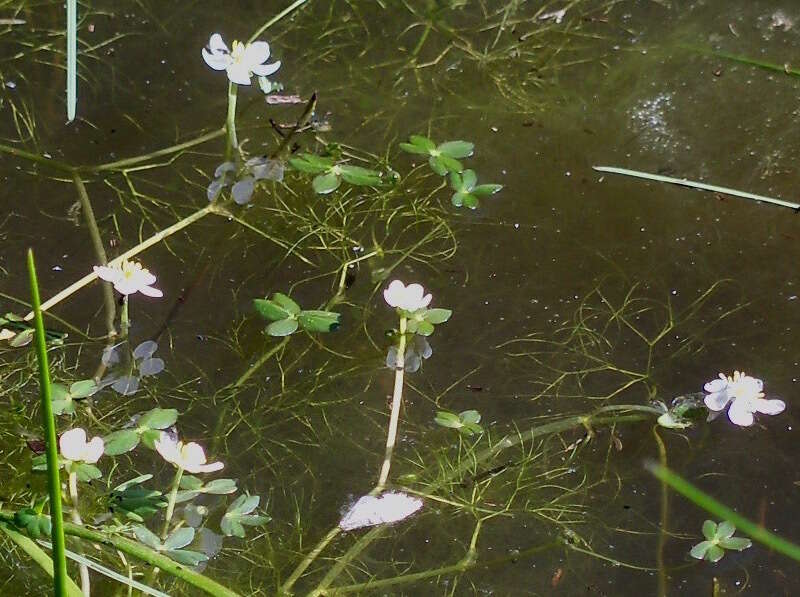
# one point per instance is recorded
(326, 183)
(120, 442)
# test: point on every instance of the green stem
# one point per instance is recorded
(124, 322)
(282, 14)
(137, 550)
(662, 530)
(397, 399)
(49, 425)
(260, 362)
(173, 496)
(723, 512)
(230, 122)
(76, 518)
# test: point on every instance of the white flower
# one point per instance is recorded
(190, 457)
(745, 395)
(241, 62)
(370, 510)
(74, 446)
(408, 298)
(129, 277)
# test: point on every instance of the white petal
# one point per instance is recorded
(73, 443)
(94, 450)
(168, 448)
(716, 385)
(717, 400)
(426, 300)
(256, 53)
(216, 61)
(150, 291)
(206, 468)
(109, 274)
(770, 407)
(193, 453)
(126, 287)
(239, 73)
(265, 70)
(740, 413)
(216, 45)
(393, 293)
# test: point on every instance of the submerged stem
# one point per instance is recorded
(173, 495)
(397, 399)
(76, 518)
(230, 122)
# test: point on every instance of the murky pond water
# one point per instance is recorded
(571, 290)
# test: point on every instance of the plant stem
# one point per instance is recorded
(76, 518)
(662, 530)
(72, 57)
(397, 399)
(124, 322)
(49, 425)
(286, 11)
(260, 362)
(230, 122)
(173, 495)
(142, 552)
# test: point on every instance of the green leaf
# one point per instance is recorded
(131, 482)
(147, 537)
(737, 543)
(22, 339)
(190, 482)
(120, 442)
(64, 407)
(456, 149)
(448, 419)
(437, 316)
(709, 529)
(484, 190)
(725, 529)
(437, 165)
(86, 472)
(244, 504)
(284, 327)
(83, 389)
(451, 164)
(422, 142)
(714, 553)
(468, 181)
(470, 417)
(186, 556)
(270, 310)
(310, 163)
(470, 201)
(220, 487)
(699, 550)
(149, 438)
(34, 523)
(286, 303)
(424, 328)
(179, 538)
(137, 503)
(158, 418)
(319, 321)
(326, 183)
(238, 514)
(471, 429)
(360, 176)
(458, 199)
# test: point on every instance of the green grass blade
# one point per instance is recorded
(722, 512)
(53, 480)
(697, 185)
(27, 545)
(72, 58)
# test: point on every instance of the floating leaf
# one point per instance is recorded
(456, 149)
(120, 442)
(326, 183)
(179, 538)
(146, 536)
(270, 309)
(437, 316)
(319, 321)
(158, 418)
(186, 557)
(284, 327)
(447, 419)
(360, 176)
(286, 303)
(484, 190)
(86, 472)
(238, 514)
(83, 389)
(310, 163)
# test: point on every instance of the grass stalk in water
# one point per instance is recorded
(49, 425)
(397, 399)
(72, 58)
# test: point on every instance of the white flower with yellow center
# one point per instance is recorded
(409, 298)
(745, 395)
(74, 446)
(129, 277)
(242, 61)
(189, 457)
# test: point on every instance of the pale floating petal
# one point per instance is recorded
(72, 443)
(216, 44)
(370, 510)
(94, 450)
(265, 70)
(239, 73)
(740, 413)
(167, 446)
(206, 468)
(716, 385)
(717, 400)
(193, 453)
(256, 53)
(216, 61)
(770, 407)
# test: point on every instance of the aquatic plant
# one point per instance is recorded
(240, 63)
(718, 539)
(744, 395)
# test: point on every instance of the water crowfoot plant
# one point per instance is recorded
(745, 396)
(718, 539)
(467, 190)
(443, 158)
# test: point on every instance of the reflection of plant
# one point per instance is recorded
(467, 190)
(329, 173)
(443, 158)
(286, 316)
(682, 412)
(719, 537)
(465, 422)
(417, 350)
(143, 361)
(243, 179)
